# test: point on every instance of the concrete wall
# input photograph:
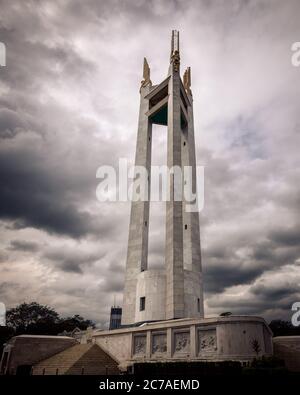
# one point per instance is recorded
(236, 339)
(180, 292)
(151, 284)
(193, 292)
(117, 345)
(81, 359)
(288, 349)
(29, 349)
(216, 339)
(137, 252)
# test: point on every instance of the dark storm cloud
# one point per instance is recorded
(71, 260)
(275, 255)
(263, 296)
(23, 245)
(10, 123)
(113, 284)
(43, 60)
(33, 197)
(39, 187)
(33, 193)
(271, 294)
(288, 237)
(217, 278)
(223, 268)
(69, 103)
(263, 252)
(114, 281)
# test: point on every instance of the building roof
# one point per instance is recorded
(80, 359)
(43, 336)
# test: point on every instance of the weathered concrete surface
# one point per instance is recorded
(174, 225)
(80, 359)
(28, 349)
(179, 291)
(215, 339)
(151, 284)
(288, 349)
(137, 252)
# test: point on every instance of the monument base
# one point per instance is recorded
(233, 338)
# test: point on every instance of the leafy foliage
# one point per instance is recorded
(70, 323)
(35, 319)
(267, 362)
(284, 328)
(256, 346)
(29, 317)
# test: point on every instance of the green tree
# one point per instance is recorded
(284, 328)
(32, 317)
(70, 323)
(255, 346)
(35, 319)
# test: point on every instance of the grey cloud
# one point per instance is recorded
(38, 208)
(275, 294)
(45, 62)
(114, 278)
(10, 123)
(288, 237)
(217, 278)
(34, 194)
(3, 257)
(113, 284)
(71, 260)
(7, 286)
(23, 245)
(69, 103)
(277, 299)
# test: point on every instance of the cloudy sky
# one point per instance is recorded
(69, 103)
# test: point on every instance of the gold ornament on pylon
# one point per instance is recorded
(175, 59)
(146, 75)
(187, 80)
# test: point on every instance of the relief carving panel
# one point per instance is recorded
(139, 345)
(181, 342)
(207, 340)
(159, 343)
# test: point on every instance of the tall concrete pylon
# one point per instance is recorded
(176, 291)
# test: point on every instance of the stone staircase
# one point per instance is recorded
(80, 359)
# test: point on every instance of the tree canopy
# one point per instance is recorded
(35, 319)
(284, 328)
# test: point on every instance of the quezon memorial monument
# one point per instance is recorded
(175, 292)
(163, 318)
(163, 315)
